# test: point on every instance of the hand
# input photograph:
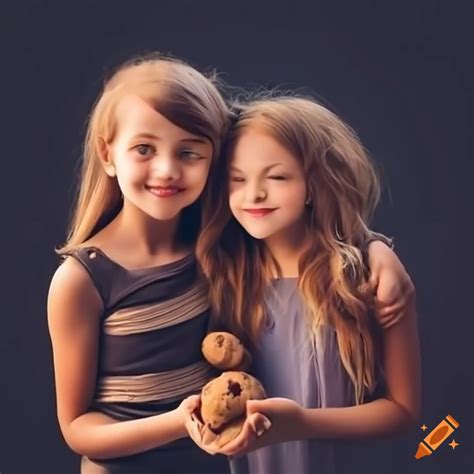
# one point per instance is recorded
(186, 408)
(285, 418)
(189, 405)
(390, 283)
(253, 426)
(193, 424)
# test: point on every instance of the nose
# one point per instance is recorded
(166, 168)
(256, 192)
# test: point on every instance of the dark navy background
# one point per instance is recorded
(398, 72)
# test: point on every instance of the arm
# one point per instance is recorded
(74, 310)
(398, 411)
(396, 312)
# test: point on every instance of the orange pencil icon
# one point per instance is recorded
(436, 437)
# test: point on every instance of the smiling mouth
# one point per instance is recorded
(164, 191)
(262, 212)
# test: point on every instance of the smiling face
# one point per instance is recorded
(160, 167)
(267, 187)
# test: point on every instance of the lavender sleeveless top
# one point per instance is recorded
(288, 367)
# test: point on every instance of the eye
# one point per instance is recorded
(144, 149)
(277, 177)
(237, 179)
(190, 155)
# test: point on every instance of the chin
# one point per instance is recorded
(259, 234)
(165, 215)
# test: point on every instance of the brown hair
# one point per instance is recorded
(177, 91)
(344, 191)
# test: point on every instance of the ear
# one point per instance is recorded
(105, 157)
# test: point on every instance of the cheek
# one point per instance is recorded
(198, 176)
(293, 195)
(127, 168)
(233, 199)
(292, 204)
(131, 173)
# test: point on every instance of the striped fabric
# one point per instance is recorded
(165, 386)
(149, 317)
(154, 321)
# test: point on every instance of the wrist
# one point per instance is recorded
(307, 423)
(295, 424)
(178, 417)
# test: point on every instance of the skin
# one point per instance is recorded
(254, 184)
(273, 181)
(147, 151)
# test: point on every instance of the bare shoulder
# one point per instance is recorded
(72, 286)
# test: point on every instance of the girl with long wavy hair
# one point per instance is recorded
(285, 246)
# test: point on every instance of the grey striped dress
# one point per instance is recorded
(150, 359)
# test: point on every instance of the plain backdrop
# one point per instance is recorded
(398, 72)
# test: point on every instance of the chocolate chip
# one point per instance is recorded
(234, 388)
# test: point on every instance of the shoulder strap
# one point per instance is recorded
(100, 269)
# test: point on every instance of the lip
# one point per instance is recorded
(260, 212)
(164, 191)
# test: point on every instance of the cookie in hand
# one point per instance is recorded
(223, 405)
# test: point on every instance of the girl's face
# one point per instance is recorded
(267, 188)
(160, 167)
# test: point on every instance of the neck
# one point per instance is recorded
(148, 236)
(287, 249)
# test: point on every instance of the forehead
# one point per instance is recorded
(135, 115)
(258, 148)
(132, 111)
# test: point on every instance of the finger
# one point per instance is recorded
(259, 423)
(197, 428)
(257, 406)
(237, 450)
(233, 446)
(196, 420)
(240, 444)
(193, 402)
(194, 434)
(254, 422)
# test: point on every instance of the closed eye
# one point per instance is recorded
(277, 177)
(237, 179)
(190, 155)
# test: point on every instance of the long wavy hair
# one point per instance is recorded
(176, 90)
(344, 189)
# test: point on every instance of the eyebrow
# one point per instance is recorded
(233, 168)
(152, 136)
